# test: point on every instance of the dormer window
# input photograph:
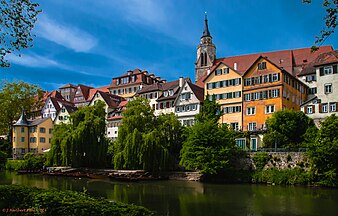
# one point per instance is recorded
(117, 81)
(133, 78)
(171, 92)
(165, 94)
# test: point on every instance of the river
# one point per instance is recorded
(194, 198)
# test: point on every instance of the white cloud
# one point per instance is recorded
(67, 36)
(34, 61)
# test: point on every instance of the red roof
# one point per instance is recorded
(69, 85)
(285, 59)
(94, 90)
(322, 59)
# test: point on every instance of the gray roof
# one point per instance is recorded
(22, 120)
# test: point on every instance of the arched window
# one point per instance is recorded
(202, 59)
(205, 59)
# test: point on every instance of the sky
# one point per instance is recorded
(90, 42)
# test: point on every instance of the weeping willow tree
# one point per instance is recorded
(146, 142)
(82, 143)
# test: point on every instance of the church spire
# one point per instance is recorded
(206, 32)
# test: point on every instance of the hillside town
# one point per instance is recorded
(249, 89)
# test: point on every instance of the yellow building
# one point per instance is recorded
(31, 136)
(225, 84)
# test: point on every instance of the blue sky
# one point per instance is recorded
(89, 42)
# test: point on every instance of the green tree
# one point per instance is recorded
(3, 159)
(17, 20)
(323, 152)
(82, 143)
(208, 147)
(15, 96)
(146, 142)
(331, 21)
(288, 128)
(211, 110)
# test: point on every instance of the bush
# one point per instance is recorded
(16, 165)
(260, 159)
(283, 177)
(31, 162)
(53, 202)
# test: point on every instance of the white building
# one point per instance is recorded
(188, 103)
(52, 106)
(322, 77)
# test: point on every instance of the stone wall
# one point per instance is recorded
(279, 160)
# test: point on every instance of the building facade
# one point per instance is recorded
(188, 103)
(31, 136)
(323, 77)
(128, 84)
(224, 84)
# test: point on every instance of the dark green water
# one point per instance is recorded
(193, 198)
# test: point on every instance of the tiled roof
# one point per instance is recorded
(173, 85)
(93, 91)
(70, 109)
(286, 59)
(62, 101)
(85, 90)
(69, 85)
(198, 91)
(322, 59)
(37, 121)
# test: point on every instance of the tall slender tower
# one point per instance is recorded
(206, 52)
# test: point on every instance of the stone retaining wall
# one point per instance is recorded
(279, 160)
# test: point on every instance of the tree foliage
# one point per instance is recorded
(331, 21)
(323, 152)
(210, 111)
(17, 19)
(288, 128)
(208, 147)
(83, 142)
(15, 96)
(146, 142)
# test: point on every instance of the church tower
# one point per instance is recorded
(206, 53)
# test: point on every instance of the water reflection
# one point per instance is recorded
(194, 198)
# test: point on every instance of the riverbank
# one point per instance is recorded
(121, 175)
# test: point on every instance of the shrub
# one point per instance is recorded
(260, 159)
(283, 177)
(54, 202)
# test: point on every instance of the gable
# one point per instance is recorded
(260, 67)
(221, 72)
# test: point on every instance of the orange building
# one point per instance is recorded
(268, 88)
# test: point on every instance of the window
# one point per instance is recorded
(22, 139)
(328, 70)
(42, 130)
(165, 94)
(247, 97)
(309, 110)
(275, 77)
(262, 66)
(133, 78)
(226, 70)
(328, 88)
(22, 129)
(251, 111)
(252, 126)
(42, 139)
(234, 125)
(324, 108)
(269, 109)
(63, 110)
(313, 90)
(171, 92)
(275, 93)
(241, 142)
(218, 72)
(50, 130)
(256, 96)
(333, 107)
(60, 118)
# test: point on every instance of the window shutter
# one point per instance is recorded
(278, 77)
(335, 68)
(320, 108)
(305, 109)
(321, 71)
(313, 109)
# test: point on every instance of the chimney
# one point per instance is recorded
(181, 82)
(235, 66)
(208, 72)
